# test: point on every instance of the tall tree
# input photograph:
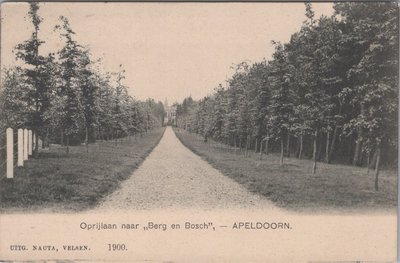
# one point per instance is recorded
(88, 90)
(36, 75)
(281, 107)
(70, 58)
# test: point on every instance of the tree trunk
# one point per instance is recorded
(327, 147)
(95, 135)
(281, 159)
(315, 153)
(247, 146)
(62, 138)
(357, 152)
(67, 144)
(46, 140)
(234, 142)
(267, 146)
(296, 153)
(368, 161)
(87, 138)
(36, 145)
(335, 134)
(288, 145)
(319, 149)
(36, 142)
(301, 147)
(373, 160)
(378, 157)
(261, 148)
(256, 146)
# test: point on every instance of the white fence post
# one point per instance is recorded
(29, 142)
(25, 144)
(10, 153)
(20, 147)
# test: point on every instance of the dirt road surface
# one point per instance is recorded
(173, 177)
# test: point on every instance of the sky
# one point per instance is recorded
(169, 50)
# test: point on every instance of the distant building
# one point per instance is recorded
(170, 114)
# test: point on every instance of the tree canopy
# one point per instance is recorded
(64, 94)
(330, 93)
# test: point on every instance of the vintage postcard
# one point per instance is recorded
(199, 131)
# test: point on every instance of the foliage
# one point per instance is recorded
(66, 94)
(335, 82)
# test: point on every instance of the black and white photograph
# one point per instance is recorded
(199, 131)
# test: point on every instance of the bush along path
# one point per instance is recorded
(337, 188)
(59, 182)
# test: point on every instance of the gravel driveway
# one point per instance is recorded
(173, 177)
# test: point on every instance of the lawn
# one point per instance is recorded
(333, 188)
(60, 182)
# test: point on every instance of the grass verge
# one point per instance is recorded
(292, 186)
(57, 182)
